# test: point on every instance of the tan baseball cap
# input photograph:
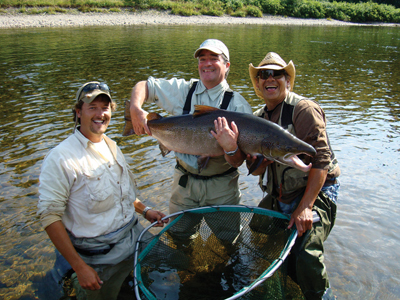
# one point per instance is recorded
(90, 90)
(213, 45)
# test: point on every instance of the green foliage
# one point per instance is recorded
(290, 6)
(362, 12)
(232, 6)
(254, 11)
(187, 9)
(395, 3)
(272, 7)
(165, 5)
(309, 9)
(212, 8)
(367, 11)
(251, 11)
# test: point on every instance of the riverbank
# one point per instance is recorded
(13, 19)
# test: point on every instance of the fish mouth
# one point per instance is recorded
(294, 161)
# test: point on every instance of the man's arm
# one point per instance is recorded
(139, 95)
(87, 276)
(151, 215)
(302, 216)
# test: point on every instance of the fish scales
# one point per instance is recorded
(191, 134)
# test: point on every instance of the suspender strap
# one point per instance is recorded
(188, 103)
(224, 105)
(287, 113)
(227, 98)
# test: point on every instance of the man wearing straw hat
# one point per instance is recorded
(87, 201)
(217, 183)
(292, 191)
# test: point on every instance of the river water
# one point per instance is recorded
(353, 72)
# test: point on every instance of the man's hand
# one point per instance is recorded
(303, 218)
(139, 121)
(88, 278)
(155, 215)
(226, 137)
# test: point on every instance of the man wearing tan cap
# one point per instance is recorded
(292, 191)
(87, 201)
(218, 182)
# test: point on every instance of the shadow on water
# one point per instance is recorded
(351, 71)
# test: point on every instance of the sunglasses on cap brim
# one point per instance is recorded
(94, 86)
(276, 74)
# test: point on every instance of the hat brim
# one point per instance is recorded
(212, 49)
(253, 71)
(90, 96)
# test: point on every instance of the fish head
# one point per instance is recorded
(286, 151)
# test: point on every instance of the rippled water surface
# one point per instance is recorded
(353, 72)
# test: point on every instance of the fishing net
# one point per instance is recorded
(218, 252)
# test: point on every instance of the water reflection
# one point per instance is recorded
(352, 71)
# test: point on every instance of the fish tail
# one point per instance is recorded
(128, 128)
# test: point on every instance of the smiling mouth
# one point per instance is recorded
(271, 88)
(99, 121)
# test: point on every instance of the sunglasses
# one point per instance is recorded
(94, 86)
(276, 74)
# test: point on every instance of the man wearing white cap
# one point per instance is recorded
(87, 201)
(218, 182)
(292, 191)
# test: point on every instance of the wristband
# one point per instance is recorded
(232, 153)
(145, 211)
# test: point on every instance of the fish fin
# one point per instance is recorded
(128, 128)
(203, 109)
(153, 116)
(254, 166)
(202, 162)
(164, 150)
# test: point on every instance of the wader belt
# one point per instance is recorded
(224, 105)
(184, 178)
(93, 252)
(330, 182)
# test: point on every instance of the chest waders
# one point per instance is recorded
(288, 179)
(186, 109)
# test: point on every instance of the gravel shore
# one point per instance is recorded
(12, 19)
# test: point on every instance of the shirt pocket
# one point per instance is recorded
(101, 195)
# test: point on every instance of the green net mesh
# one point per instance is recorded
(216, 253)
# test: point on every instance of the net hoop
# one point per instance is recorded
(208, 209)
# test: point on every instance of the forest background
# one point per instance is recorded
(359, 11)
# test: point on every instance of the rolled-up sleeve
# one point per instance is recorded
(168, 94)
(55, 181)
(310, 125)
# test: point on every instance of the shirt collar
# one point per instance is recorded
(86, 142)
(215, 91)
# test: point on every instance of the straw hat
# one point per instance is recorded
(272, 61)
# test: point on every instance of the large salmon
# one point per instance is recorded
(190, 134)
